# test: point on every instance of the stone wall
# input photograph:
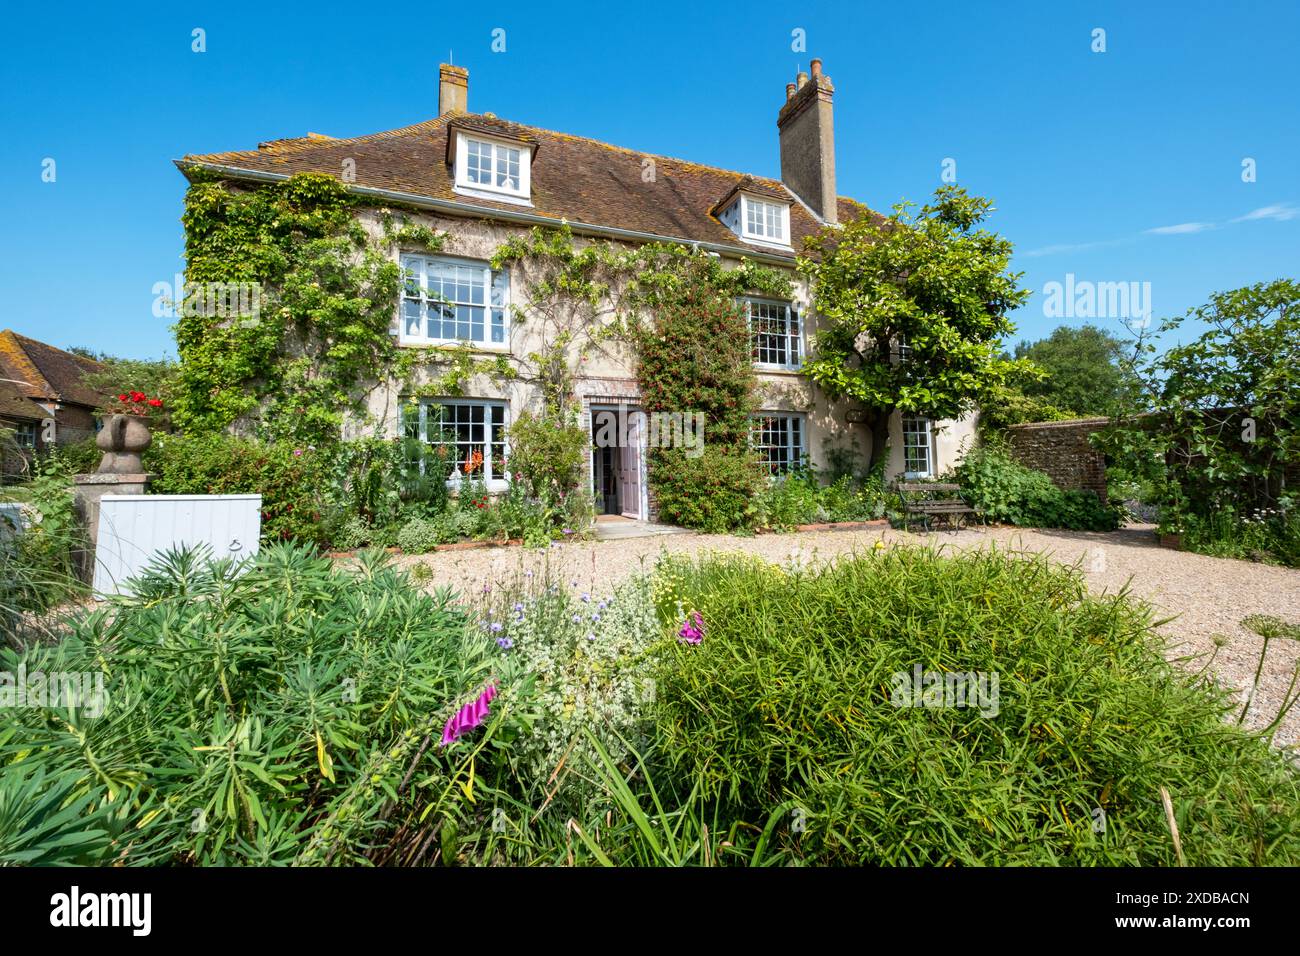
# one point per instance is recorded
(1062, 450)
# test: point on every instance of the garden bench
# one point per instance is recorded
(919, 499)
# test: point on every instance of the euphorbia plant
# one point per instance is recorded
(133, 403)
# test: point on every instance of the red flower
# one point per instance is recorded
(156, 402)
(121, 398)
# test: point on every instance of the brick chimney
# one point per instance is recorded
(453, 89)
(808, 141)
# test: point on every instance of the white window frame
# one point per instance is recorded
(772, 215)
(795, 447)
(913, 426)
(793, 335)
(495, 474)
(499, 150)
(416, 298)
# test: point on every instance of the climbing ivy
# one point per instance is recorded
(292, 368)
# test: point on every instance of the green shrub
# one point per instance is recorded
(1270, 536)
(278, 716)
(789, 500)
(798, 498)
(42, 559)
(548, 452)
(1002, 489)
(789, 704)
(715, 492)
(420, 535)
(289, 478)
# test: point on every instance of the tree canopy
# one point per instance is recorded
(914, 307)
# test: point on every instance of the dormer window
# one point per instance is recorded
(492, 169)
(765, 221)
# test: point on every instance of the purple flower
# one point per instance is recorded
(505, 643)
(692, 631)
(566, 531)
(586, 598)
(496, 627)
(519, 609)
(590, 636)
(577, 618)
(595, 618)
(470, 716)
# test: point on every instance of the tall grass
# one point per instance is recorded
(790, 699)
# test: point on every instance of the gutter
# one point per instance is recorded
(452, 207)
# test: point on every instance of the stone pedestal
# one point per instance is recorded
(90, 488)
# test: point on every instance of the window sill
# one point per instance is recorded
(477, 192)
(778, 369)
(447, 345)
(766, 243)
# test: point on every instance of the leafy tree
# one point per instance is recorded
(1225, 423)
(914, 307)
(1085, 371)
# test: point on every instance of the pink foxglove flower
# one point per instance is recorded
(469, 716)
(692, 631)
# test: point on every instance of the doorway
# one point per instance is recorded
(616, 461)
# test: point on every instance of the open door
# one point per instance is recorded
(630, 471)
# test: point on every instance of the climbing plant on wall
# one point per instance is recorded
(318, 336)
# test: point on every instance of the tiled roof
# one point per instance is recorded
(580, 180)
(47, 373)
(15, 405)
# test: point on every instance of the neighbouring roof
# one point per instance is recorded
(46, 373)
(15, 405)
(579, 180)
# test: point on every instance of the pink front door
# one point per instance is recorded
(629, 490)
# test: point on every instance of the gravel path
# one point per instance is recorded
(1207, 597)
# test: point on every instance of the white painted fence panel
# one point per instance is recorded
(135, 528)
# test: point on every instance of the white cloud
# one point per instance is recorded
(1279, 212)
(1282, 212)
(1181, 229)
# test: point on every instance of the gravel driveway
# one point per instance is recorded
(1208, 596)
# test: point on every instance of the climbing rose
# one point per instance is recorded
(470, 716)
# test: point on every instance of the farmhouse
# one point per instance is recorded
(484, 180)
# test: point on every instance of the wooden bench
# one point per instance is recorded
(919, 499)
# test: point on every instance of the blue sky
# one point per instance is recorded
(1122, 166)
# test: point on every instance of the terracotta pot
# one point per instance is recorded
(122, 439)
(1174, 541)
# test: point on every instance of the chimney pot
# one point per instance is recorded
(801, 79)
(789, 92)
(816, 66)
(453, 89)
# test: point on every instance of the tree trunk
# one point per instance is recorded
(880, 435)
